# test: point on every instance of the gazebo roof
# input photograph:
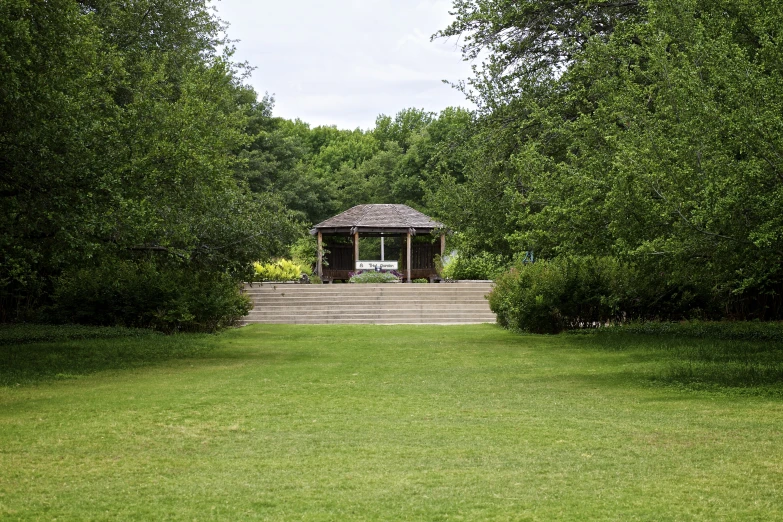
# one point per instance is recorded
(378, 219)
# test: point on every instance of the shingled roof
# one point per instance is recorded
(378, 218)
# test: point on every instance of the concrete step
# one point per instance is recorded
(381, 307)
(377, 285)
(367, 289)
(435, 299)
(406, 289)
(429, 296)
(370, 313)
(362, 304)
(350, 320)
(371, 296)
(445, 303)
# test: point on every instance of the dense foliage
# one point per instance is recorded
(120, 128)
(643, 135)
(550, 296)
(572, 292)
(132, 156)
(649, 132)
(481, 266)
(318, 172)
(135, 294)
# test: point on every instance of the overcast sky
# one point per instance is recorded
(344, 62)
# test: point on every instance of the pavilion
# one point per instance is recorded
(377, 220)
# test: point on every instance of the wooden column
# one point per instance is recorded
(355, 250)
(319, 267)
(408, 263)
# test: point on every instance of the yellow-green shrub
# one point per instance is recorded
(280, 270)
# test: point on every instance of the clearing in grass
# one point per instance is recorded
(392, 422)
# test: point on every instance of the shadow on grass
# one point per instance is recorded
(33, 353)
(698, 362)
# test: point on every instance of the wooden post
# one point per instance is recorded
(408, 264)
(383, 254)
(355, 249)
(319, 267)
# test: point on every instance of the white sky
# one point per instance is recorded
(344, 62)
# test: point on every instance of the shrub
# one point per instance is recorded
(565, 293)
(375, 277)
(527, 298)
(304, 253)
(280, 270)
(421, 280)
(145, 295)
(585, 292)
(658, 295)
(483, 265)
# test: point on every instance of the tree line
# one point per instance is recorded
(140, 177)
(647, 132)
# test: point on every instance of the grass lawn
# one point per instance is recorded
(392, 423)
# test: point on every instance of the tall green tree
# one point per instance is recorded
(653, 137)
(529, 42)
(277, 161)
(120, 126)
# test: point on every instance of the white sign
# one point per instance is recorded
(370, 265)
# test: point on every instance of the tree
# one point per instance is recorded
(120, 126)
(528, 42)
(653, 138)
(402, 130)
(276, 161)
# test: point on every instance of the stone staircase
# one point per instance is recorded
(390, 303)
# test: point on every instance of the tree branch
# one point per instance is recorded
(694, 227)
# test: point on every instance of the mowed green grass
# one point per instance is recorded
(391, 423)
